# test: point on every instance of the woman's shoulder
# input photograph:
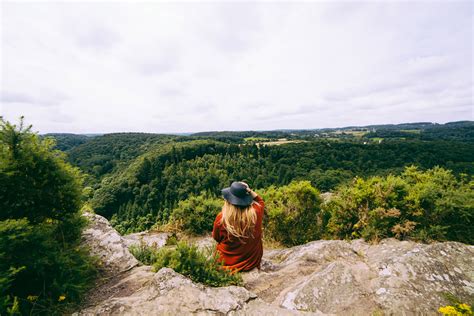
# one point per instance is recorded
(219, 216)
(259, 204)
(259, 201)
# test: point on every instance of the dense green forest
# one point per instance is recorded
(150, 187)
(107, 153)
(137, 179)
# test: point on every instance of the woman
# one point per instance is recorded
(238, 228)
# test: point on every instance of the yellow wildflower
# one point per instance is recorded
(61, 298)
(448, 311)
(466, 309)
(32, 298)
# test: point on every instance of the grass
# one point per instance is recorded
(281, 142)
(256, 139)
(270, 243)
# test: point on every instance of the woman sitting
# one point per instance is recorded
(238, 228)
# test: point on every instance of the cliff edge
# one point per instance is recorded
(325, 277)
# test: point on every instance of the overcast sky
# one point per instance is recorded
(187, 67)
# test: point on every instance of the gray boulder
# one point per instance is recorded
(150, 239)
(106, 243)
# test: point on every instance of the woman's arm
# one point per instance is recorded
(255, 196)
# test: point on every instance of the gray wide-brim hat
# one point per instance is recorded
(237, 194)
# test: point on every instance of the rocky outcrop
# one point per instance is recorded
(107, 244)
(340, 277)
(148, 238)
(327, 277)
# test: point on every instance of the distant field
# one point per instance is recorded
(377, 139)
(281, 142)
(256, 139)
(353, 133)
(271, 142)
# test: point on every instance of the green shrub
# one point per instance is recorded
(43, 268)
(430, 205)
(326, 180)
(197, 213)
(199, 266)
(293, 213)
(144, 253)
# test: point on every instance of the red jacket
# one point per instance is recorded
(240, 255)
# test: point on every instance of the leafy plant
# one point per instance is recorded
(197, 265)
(144, 253)
(200, 266)
(41, 259)
(293, 213)
(197, 213)
(422, 205)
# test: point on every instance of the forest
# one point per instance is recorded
(137, 179)
(409, 181)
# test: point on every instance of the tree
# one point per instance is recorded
(35, 180)
(43, 268)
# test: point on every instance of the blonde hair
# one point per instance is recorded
(239, 221)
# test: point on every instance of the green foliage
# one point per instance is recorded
(103, 154)
(325, 180)
(41, 258)
(66, 141)
(293, 213)
(196, 214)
(31, 173)
(199, 266)
(144, 253)
(431, 205)
(154, 183)
(151, 188)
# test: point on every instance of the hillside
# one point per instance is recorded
(147, 188)
(317, 278)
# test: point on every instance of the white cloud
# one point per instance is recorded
(176, 67)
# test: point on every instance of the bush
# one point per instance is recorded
(43, 268)
(326, 180)
(197, 213)
(293, 213)
(144, 253)
(430, 205)
(200, 266)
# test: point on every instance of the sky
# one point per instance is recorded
(101, 67)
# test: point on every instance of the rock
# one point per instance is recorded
(326, 277)
(170, 293)
(156, 240)
(106, 243)
(393, 277)
(204, 243)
